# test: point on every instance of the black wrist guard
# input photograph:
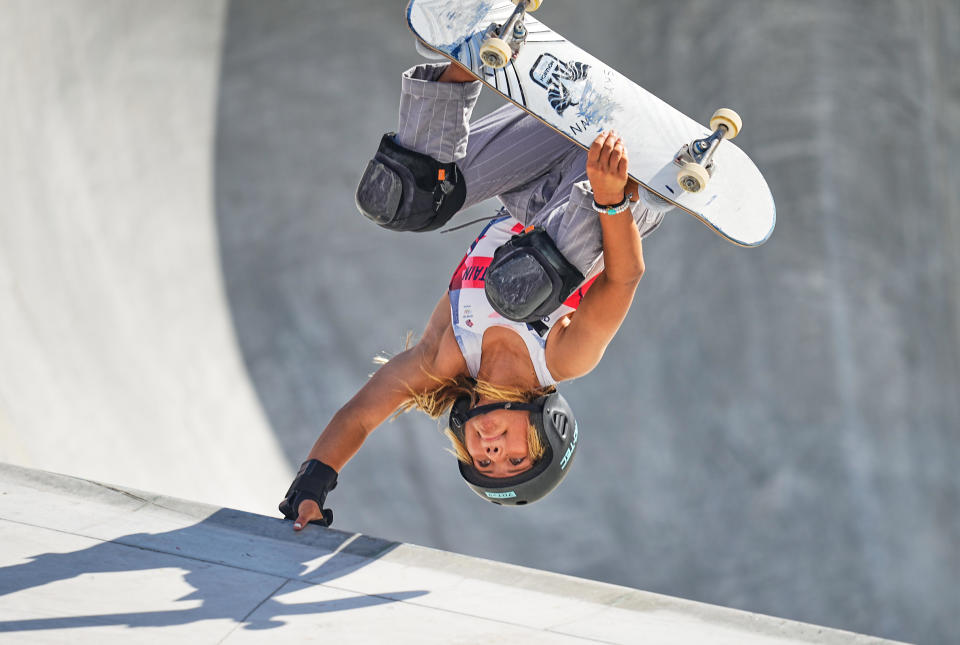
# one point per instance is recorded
(314, 480)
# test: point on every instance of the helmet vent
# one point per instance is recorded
(560, 423)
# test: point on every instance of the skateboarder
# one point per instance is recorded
(535, 301)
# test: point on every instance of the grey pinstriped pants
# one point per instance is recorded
(538, 175)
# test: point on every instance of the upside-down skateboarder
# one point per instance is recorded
(536, 300)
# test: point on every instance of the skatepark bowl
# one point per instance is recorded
(187, 294)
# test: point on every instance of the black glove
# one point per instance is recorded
(314, 480)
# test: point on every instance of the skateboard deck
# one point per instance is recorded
(580, 96)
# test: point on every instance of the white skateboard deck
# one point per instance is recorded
(580, 96)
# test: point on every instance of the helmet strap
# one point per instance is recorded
(503, 405)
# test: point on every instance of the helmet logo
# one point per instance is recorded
(500, 495)
(573, 445)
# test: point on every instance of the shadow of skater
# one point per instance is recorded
(211, 552)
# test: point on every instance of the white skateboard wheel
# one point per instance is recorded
(729, 118)
(495, 53)
(532, 5)
(693, 177)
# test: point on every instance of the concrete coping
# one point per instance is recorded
(83, 559)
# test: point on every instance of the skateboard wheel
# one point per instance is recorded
(532, 5)
(729, 118)
(495, 53)
(693, 177)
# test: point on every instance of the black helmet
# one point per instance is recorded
(552, 417)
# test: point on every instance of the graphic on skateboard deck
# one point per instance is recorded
(695, 168)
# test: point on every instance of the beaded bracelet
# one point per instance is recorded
(615, 209)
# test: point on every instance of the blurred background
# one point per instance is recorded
(187, 293)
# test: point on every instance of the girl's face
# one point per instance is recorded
(497, 442)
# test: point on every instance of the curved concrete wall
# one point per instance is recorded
(118, 356)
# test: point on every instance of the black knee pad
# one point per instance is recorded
(529, 278)
(403, 190)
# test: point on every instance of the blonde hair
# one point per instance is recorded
(437, 402)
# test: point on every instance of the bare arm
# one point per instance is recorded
(579, 342)
(387, 389)
(436, 353)
(371, 406)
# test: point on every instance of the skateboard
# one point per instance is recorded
(695, 168)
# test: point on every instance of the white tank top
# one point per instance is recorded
(472, 314)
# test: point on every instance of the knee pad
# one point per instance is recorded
(403, 190)
(529, 278)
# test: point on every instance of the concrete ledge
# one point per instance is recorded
(84, 560)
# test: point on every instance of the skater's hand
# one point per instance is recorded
(304, 500)
(607, 163)
(309, 511)
(456, 73)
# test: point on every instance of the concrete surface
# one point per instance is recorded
(87, 562)
(118, 354)
(187, 293)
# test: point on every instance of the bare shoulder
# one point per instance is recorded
(558, 352)
(439, 352)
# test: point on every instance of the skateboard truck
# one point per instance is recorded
(501, 43)
(696, 159)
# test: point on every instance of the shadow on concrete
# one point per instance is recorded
(211, 576)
